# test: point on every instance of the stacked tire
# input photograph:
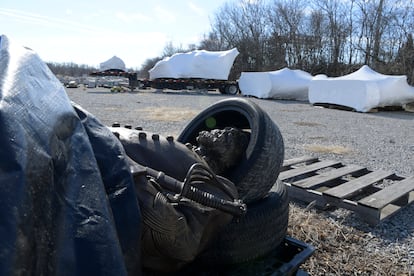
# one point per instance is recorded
(264, 225)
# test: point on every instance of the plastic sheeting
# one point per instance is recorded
(362, 90)
(196, 64)
(113, 63)
(67, 198)
(283, 84)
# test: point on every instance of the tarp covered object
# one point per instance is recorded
(196, 64)
(67, 200)
(283, 84)
(362, 90)
(112, 63)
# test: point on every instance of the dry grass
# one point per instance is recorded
(327, 149)
(340, 249)
(169, 114)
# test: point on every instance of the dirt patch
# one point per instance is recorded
(169, 114)
(327, 149)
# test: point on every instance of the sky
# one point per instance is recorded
(92, 31)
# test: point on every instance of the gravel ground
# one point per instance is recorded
(382, 140)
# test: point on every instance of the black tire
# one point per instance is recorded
(157, 152)
(254, 235)
(231, 89)
(259, 168)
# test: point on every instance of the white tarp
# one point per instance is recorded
(195, 64)
(362, 90)
(281, 84)
(113, 63)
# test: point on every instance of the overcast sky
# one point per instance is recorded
(92, 31)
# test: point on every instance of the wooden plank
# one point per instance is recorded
(319, 179)
(306, 169)
(374, 216)
(298, 160)
(370, 215)
(306, 196)
(351, 187)
(389, 194)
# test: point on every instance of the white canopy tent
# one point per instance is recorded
(362, 90)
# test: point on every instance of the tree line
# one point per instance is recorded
(332, 37)
(70, 69)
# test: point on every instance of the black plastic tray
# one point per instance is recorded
(284, 260)
(293, 253)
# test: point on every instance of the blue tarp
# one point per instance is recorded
(67, 199)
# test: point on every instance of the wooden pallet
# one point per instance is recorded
(407, 107)
(374, 195)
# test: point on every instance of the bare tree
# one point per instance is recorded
(287, 18)
(378, 31)
(170, 49)
(372, 22)
(405, 59)
(243, 24)
(70, 69)
(212, 42)
(398, 30)
(321, 36)
(316, 54)
(336, 31)
(146, 66)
